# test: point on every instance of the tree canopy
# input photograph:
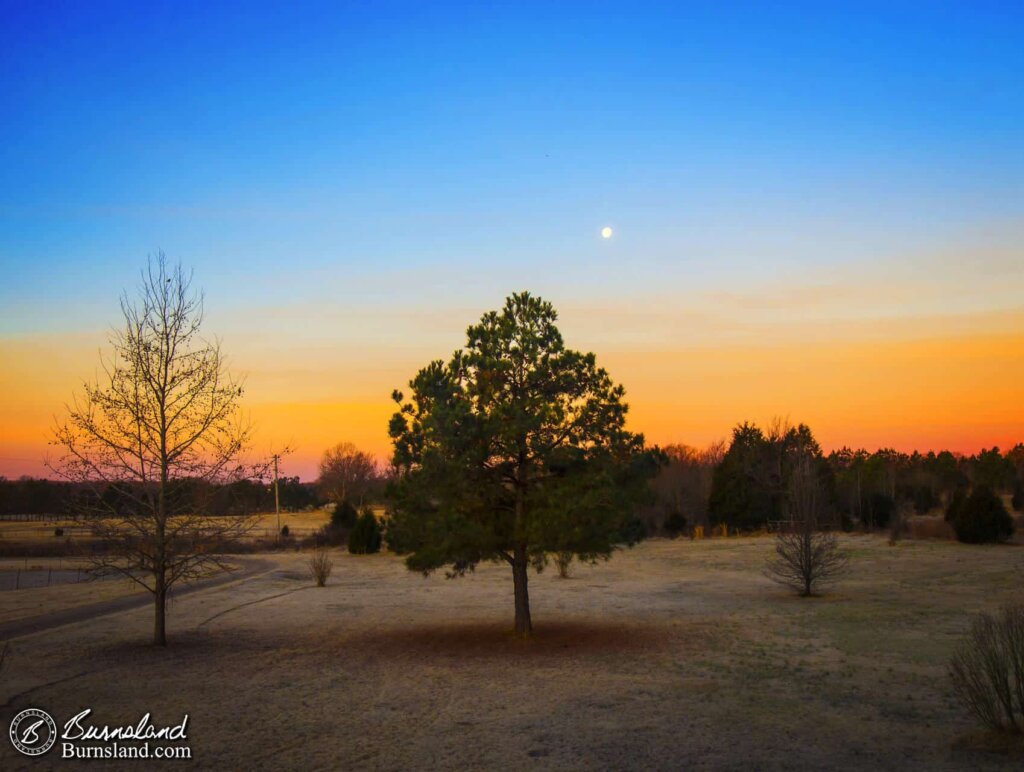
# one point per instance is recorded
(347, 474)
(748, 488)
(514, 449)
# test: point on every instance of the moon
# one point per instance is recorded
(606, 232)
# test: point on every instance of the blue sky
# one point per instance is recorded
(433, 157)
(325, 136)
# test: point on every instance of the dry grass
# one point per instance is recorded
(320, 565)
(676, 654)
(22, 604)
(300, 524)
(41, 533)
(929, 527)
(41, 530)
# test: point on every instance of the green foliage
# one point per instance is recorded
(514, 448)
(339, 529)
(675, 524)
(955, 502)
(922, 480)
(633, 532)
(980, 517)
(947, 471)
(1017, 502)
(365, 538)
(563, 560)
(992, 470)
(748, 489)
(741, 497)
(344, 515)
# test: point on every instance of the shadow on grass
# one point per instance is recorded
(996, 743)
(550, 639)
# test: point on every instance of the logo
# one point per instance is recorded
(33, 732)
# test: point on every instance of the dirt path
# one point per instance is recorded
(250, 567)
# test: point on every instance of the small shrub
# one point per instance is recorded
(988, 669)
(805, 559)
(344, 516)
(634, 532)
(562, 561)
(331, 534)
(981, 518)
(339, 528)
(285, 532)
(392, 536)
(58, 531)
(320, 565)
(365, 538)
(675, 524)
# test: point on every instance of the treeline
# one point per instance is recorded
(30, 496)
(744, 485)
(348, 476)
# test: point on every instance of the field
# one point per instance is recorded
(264, 526)
(674, 655)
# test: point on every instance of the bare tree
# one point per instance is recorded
(347, 474)
(806, 556)
(160, 424)
(683, 485)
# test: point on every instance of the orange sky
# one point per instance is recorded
(816, 214)
(952, 382)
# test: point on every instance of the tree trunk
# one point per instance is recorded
(160, 567)
(524, 626)
(160, 607)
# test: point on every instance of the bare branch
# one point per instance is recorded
(163, 412)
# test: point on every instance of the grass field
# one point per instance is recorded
(264, 526)
(674, 655)
(21, 604)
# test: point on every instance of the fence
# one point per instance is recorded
(25, 577)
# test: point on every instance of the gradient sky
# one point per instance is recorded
(818, 208)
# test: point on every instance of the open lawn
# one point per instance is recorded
(26, 603)
(674, 655)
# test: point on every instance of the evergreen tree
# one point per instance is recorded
(514, 449)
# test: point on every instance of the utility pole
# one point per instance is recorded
(277, 500)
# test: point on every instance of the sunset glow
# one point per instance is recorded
(807, 230)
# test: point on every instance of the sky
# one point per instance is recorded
(818, 208)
